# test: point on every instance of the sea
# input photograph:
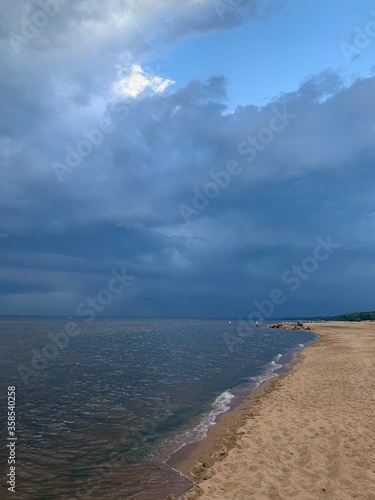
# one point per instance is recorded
(100, 410)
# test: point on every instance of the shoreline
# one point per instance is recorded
(307, 434)
(194, 459)
(220, 437)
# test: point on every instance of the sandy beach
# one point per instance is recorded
(311, 435)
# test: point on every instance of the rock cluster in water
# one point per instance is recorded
(298, 325)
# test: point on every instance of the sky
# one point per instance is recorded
(197, 159)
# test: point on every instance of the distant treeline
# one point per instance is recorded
(356, 316)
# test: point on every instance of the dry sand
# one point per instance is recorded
(314, 436)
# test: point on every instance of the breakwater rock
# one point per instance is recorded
(298, 325)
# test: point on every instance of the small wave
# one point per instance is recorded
(220, 405)
(301, 345)
(269, 372)
(221, 402)
(275, 365)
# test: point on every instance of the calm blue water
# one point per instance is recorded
(98, 413)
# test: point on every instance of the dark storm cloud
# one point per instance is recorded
(121, 205)
(122, 24)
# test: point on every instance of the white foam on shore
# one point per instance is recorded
(220, 405)
(270, 372)
(274, 365)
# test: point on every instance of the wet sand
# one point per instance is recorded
(308, 435)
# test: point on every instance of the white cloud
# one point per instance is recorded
(138, 81)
